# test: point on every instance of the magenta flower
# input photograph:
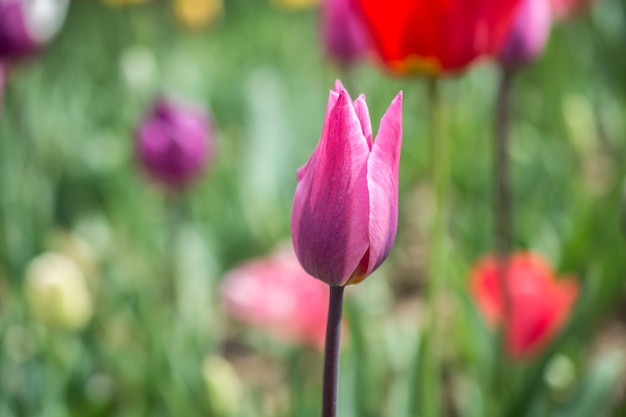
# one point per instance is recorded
(277, 295)
(27, 25)
(174, 143)
(529, 34)
(343, 33)
(345, 208)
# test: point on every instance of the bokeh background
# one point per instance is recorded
(153, 337)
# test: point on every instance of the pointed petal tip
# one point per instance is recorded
(338, 87)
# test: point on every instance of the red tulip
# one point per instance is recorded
(277, 295)
(539, 303)
(435, 36)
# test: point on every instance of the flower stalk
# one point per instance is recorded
(503, 206)
(331, 352)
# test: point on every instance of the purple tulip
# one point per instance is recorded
(343, 34)
(27, 25)
(174, 143)
(345, 208)
(529, 34)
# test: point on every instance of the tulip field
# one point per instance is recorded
(295, 208)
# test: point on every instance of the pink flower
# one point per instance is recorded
(343, 33)
(529, 35)
(276, 294)
(345, 208)
(174, 142)
(539, 303)
(27, 25)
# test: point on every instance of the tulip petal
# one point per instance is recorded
(382, 181)
(331, 202)
(360, 106)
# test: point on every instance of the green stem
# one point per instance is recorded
(503, 213)
(427, 381)
(331, 352)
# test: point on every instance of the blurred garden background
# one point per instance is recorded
(112, 294)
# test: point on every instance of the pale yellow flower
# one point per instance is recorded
(56, 292)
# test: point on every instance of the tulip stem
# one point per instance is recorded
(429, 359)
(502, 194)
(331, 352)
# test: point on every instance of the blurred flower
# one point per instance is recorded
(223, 385)
(345, 208)
(27, 25)
(296, 4)
(564, 9)
(529, 34)
(174, 143)
(196, 14)
(276, 294)
(539, 303)
(343, 34)
(57, 293)
(436, 36)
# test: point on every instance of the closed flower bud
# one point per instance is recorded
(343, 33)
(529, 34)
(223, 386)
(57, 293)
(27, 25)
(174, 143)
(539, 303)
(345, 208)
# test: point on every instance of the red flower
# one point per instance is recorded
(435, 36)
(540, 304)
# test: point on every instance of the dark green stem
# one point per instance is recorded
(503, 206)
(331, 352)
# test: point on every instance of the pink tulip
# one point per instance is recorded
(529, 34)
(343, 34)
(345, 208)
(277, 295)
(540, 304)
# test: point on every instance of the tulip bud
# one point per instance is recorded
(343, 34)
(174, 143)
(345, 208)
(56, 292)
(223, 386)
(27, 25)
(529, 34)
